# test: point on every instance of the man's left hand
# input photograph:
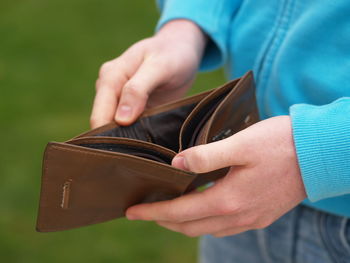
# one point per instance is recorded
(263, 183)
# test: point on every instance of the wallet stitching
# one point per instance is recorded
(44, 180)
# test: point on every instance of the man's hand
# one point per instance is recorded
(152, 71)
(263, 183)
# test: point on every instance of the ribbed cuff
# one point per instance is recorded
(322, 141)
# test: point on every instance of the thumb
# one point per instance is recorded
(209, 157)
(136, 91)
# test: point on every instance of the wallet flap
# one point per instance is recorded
(82, 186)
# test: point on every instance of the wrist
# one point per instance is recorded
(186, 32)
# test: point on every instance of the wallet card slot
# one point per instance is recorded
(237, 111)
(132, 150)
(201, 122)
(164, 128)
(127, 146)
(197, 120)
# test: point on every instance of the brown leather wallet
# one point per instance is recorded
(96, 176)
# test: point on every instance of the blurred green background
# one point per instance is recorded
(50, 53)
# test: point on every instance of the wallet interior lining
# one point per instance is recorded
(161, 129)
(164, 128)
(134, 131)
(194, 126)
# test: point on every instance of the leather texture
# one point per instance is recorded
(97, 175)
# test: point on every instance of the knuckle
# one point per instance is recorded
(139, 44)
(107, 66)
(227, 207)
(172, 214)
(187, 231)
(172, 217)
(102, 84)
(157, 61)
(93, 121)
(262, 223)
(133, 88)
(247, 222)
(199, 160)
(250, 221)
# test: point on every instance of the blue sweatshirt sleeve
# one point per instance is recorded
(212, 16)
(322, 141)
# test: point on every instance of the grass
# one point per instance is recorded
(50, 53)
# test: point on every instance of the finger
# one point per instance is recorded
(231, 232)
(105, 104)
(136, 91)
(205, 226)
(213, 156)
(188, 207)
(112, 77)
(162, 94)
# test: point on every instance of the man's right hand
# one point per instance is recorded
(151, 72)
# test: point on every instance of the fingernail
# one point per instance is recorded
(124, 113)
(180, 162)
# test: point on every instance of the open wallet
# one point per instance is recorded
(97, 175)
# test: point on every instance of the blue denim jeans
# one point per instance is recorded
(304, 235)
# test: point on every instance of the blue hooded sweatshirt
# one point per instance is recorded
(299, 51)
